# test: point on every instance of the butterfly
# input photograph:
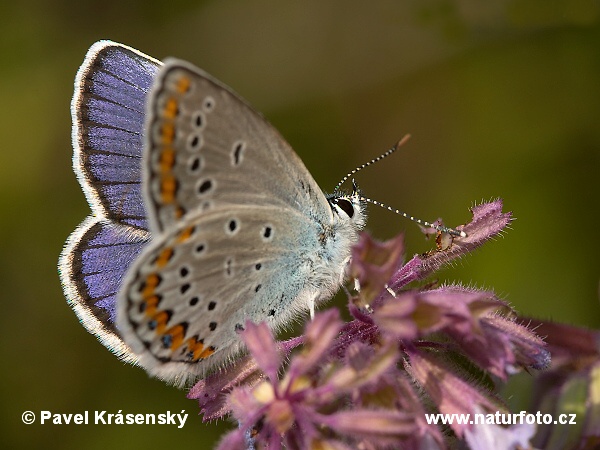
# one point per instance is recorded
(203, 217)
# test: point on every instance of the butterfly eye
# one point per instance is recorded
(346, 206)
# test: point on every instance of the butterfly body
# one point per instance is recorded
(203, 216)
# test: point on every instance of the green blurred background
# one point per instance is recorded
(502, 99)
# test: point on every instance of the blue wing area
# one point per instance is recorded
(108, 111)
(92, 266)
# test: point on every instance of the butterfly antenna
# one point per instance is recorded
(423, 223)
(374, 160)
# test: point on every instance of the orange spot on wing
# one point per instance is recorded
(167, 133)
(168, 187)
(167, 160)
(164, 257)
(185, 234)
(196, 347)
(150, 284)
(171, 108)
(161, 319)
(207, 352)
(183, 84)
(151, 304)
(177, 333)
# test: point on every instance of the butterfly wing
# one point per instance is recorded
(212, 162)
(205, 154)
(108, 111)
(92, 267)
(207, 147)
(190, 292)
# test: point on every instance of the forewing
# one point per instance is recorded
(207, 147)
(108, 111)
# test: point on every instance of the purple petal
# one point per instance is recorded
(426, 436)
(457, 309)
(318, 338)
(530, 349)
(210, 392)
(280, 415)
(287, 346)
(450, 393)
(244, 405)
(568, 344)
(360, 313)
(234, 440)
(373, 263)
(379, 428)
(261, 344)
(359, 355)
(491, 351)
(395, 316)
(488, 221)
(348, 378)
(464, 315)
(354, 331)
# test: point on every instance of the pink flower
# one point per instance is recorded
(305, 407)
(412, 348)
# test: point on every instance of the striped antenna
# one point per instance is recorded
(440, 228)
(374, 160)
(424, 223)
